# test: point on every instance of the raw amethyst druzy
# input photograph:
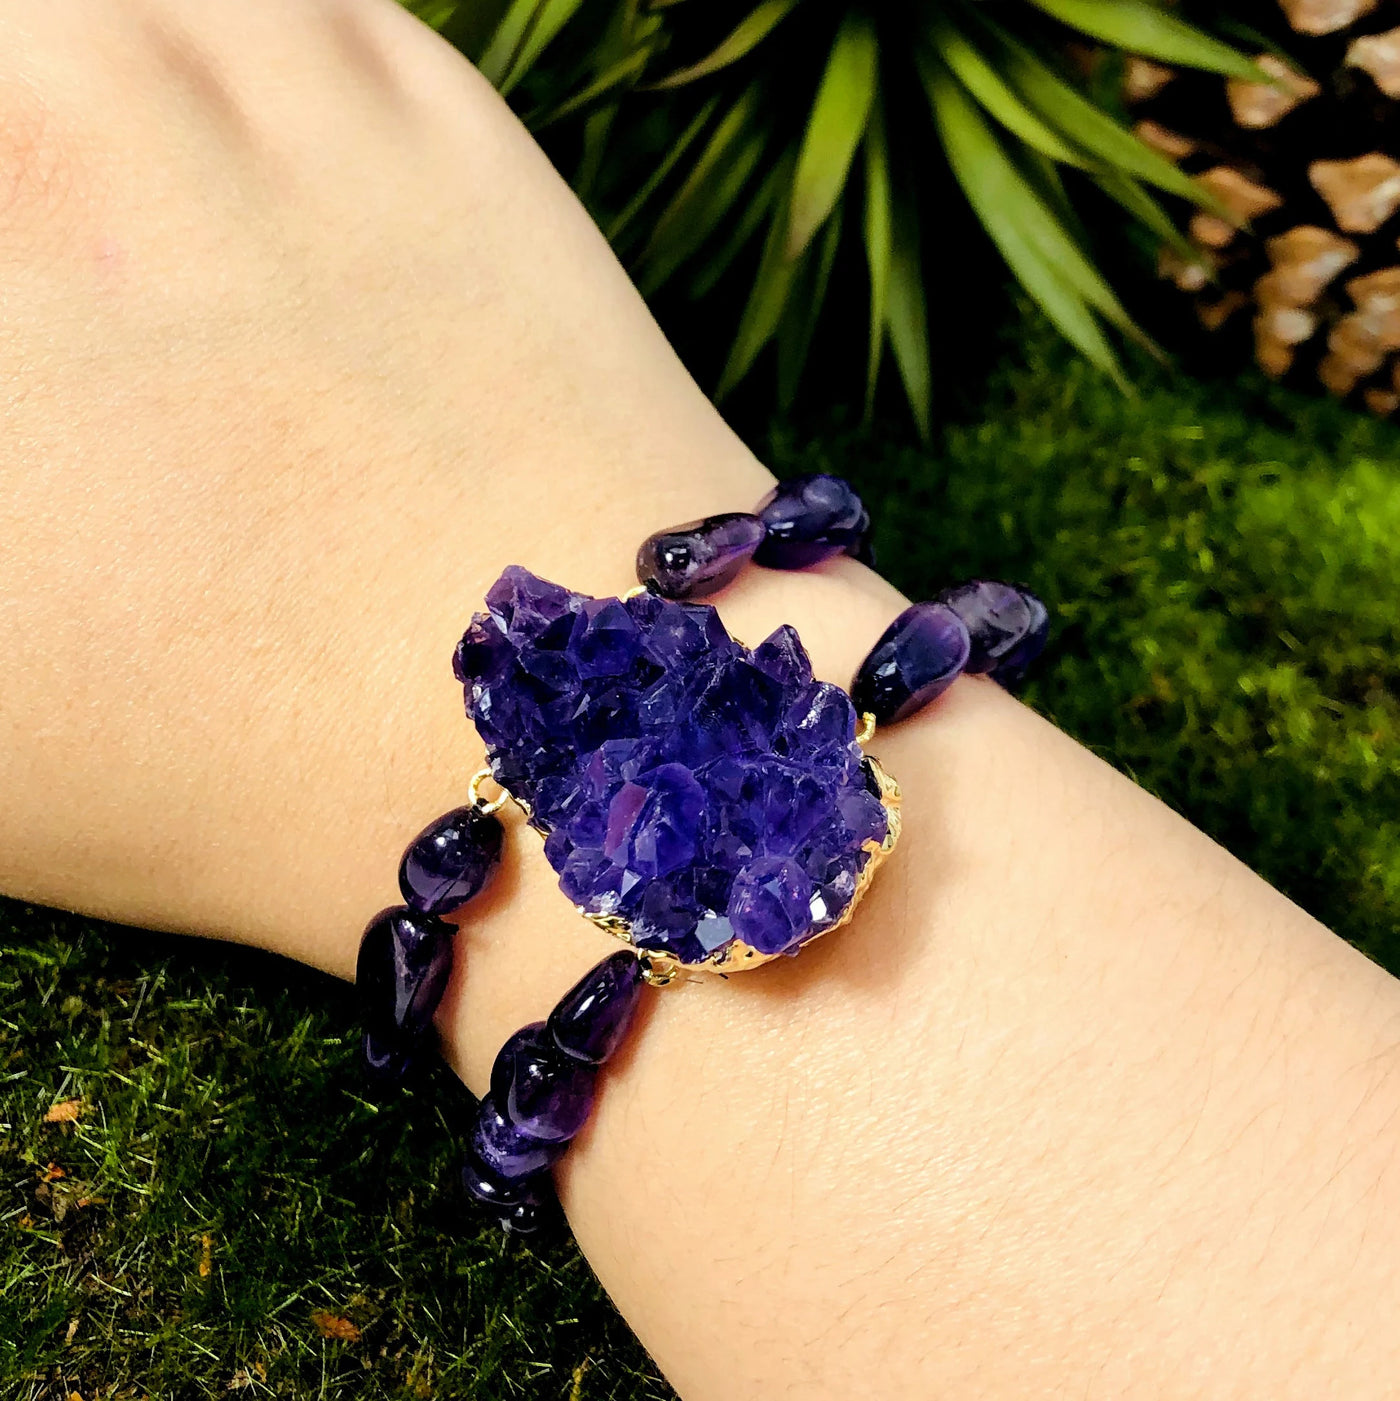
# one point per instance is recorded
(701, 791)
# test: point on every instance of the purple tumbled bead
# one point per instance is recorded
(505, 1148)
(700, 557)
(916, 659)
(450, 860)
(1006, 625)
(387, 1059)
(1013, 665)
(401, 973)
(863, 547)
(808, 519)
(524, 1218)
(518, 1204)
(591, 1019)
(543, 1092)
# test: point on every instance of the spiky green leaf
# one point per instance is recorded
(1142, 28)
(664, 167)
(620, 74)
(1128, 193)
(907, 317)
(757, 209)
(707, 211)
(981, 78)
(764, 308)
(879, 233)
(706, 194)
(1039, 252)
(507, 38)
(1112, 145)
(751, 31)
(551, 17)
(804, 307)
(835, 126)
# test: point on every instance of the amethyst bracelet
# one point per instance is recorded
(709, 804)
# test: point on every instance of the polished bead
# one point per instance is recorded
(591, 1019)
(401, 973)
(490, 1189)
(1006, 625)
(916, 659)
(543, 1092)
(863, 547)
(524, 1218)
(387, 1059)
(504, 1148)
(1013, 666)
(450, 860)
(700, 557)
(808, 519)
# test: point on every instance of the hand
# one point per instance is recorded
(303, 341)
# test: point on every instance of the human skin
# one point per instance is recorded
(302, 341)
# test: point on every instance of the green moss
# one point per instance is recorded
(220, 1102)
(1223, 566)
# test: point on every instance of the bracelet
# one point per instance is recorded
(710, 805)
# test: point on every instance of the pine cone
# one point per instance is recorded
(1306, 169)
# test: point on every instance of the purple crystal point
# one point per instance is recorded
(669, 766)
(916, 659)
(808, 519)
(700, 557)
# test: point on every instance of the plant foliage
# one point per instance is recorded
(762, 136)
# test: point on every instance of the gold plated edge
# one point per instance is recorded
(661, 970)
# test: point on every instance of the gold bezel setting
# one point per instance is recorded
(661, 969)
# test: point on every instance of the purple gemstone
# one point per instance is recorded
(591, 1019)
(663, 759)
(400, 976)
(917, 658)
(700, 557)
(808, 519)
(449, 861)
(544, 1093)
(387, 1061)
(521, 1198)
(771, 906)
(1013, 666)
(505, 1148)
(1004, 624)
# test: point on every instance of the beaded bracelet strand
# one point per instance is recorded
(601, 717)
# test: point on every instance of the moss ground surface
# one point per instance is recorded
(226, 1217)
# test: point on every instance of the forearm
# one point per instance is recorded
(1076, 1102)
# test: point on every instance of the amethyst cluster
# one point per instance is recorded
(703, 792)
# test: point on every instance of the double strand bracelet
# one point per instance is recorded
(709, 804)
